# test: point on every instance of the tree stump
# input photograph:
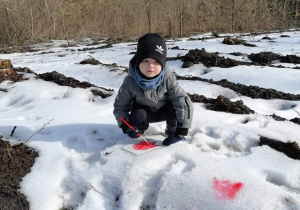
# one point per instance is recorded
(7, 71)
(5, 64)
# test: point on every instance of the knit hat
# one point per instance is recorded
(151, 45)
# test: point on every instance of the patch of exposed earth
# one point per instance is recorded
(15, 163)
(222, 104)
(250, 91)
(62, 80)
(214, 60)
(291, 149)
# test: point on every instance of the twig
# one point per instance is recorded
(92, 57)
(38, 131)
(258, 94)
(13, 131)
(87, 79)
(296, 111)
(65, 94)
(104, 195)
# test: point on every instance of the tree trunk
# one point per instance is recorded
(232, 16)
(180, 18)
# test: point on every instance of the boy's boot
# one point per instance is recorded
(173, 137)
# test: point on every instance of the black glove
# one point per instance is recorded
(124, 128)
(136, 133)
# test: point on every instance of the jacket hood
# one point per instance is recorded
(131, 67)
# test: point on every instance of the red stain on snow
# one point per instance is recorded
(226, 189)
(144, 145)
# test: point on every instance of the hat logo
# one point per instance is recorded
(159, 49)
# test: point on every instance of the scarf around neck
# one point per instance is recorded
(148, 84)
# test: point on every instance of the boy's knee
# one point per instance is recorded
(139, 118)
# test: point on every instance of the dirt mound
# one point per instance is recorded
(24, 70)
(62, 80)
(266, 37)
(15, 163)
(91, 61)
(258, 92)
(232, 41)
(295, 120)
(95, 48)
(277, 118)
(264, 58)
(290, 59)
(222, 104)
(237, 54)
(291, 149)
(123, 39)
(210, 59)
(250, 91)
(18, 49)
(7, 72)
(187, 64)
(213, 60)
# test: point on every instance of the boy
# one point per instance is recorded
(150, 93)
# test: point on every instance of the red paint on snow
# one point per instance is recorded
(144, 145)
(226, 189)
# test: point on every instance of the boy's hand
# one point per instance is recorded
(134, 133)
(131, 133)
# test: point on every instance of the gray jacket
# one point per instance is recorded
(154, 99)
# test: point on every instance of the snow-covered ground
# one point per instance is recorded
(220, 166)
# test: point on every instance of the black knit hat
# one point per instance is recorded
(151, 45)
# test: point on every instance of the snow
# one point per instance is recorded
(80, 147)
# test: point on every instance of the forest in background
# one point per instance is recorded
(28, 21)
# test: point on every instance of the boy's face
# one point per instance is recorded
(150, 67)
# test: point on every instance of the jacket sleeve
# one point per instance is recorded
(122, 103)
(181, 103)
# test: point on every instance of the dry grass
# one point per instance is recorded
(24, 21)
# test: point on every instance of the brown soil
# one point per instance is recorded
(213, 60)
(222, 104)
(24, 70)
(264, 58)
(290, 59)
(295, 120)
(232, 41)
(10, 74)
(95, 48)
(210, 59)
(91, 61)
(250, 91)
(291, 149)
(62, 80)
(7, 72)
(15, 163)
(123, 39)
(17, 49)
